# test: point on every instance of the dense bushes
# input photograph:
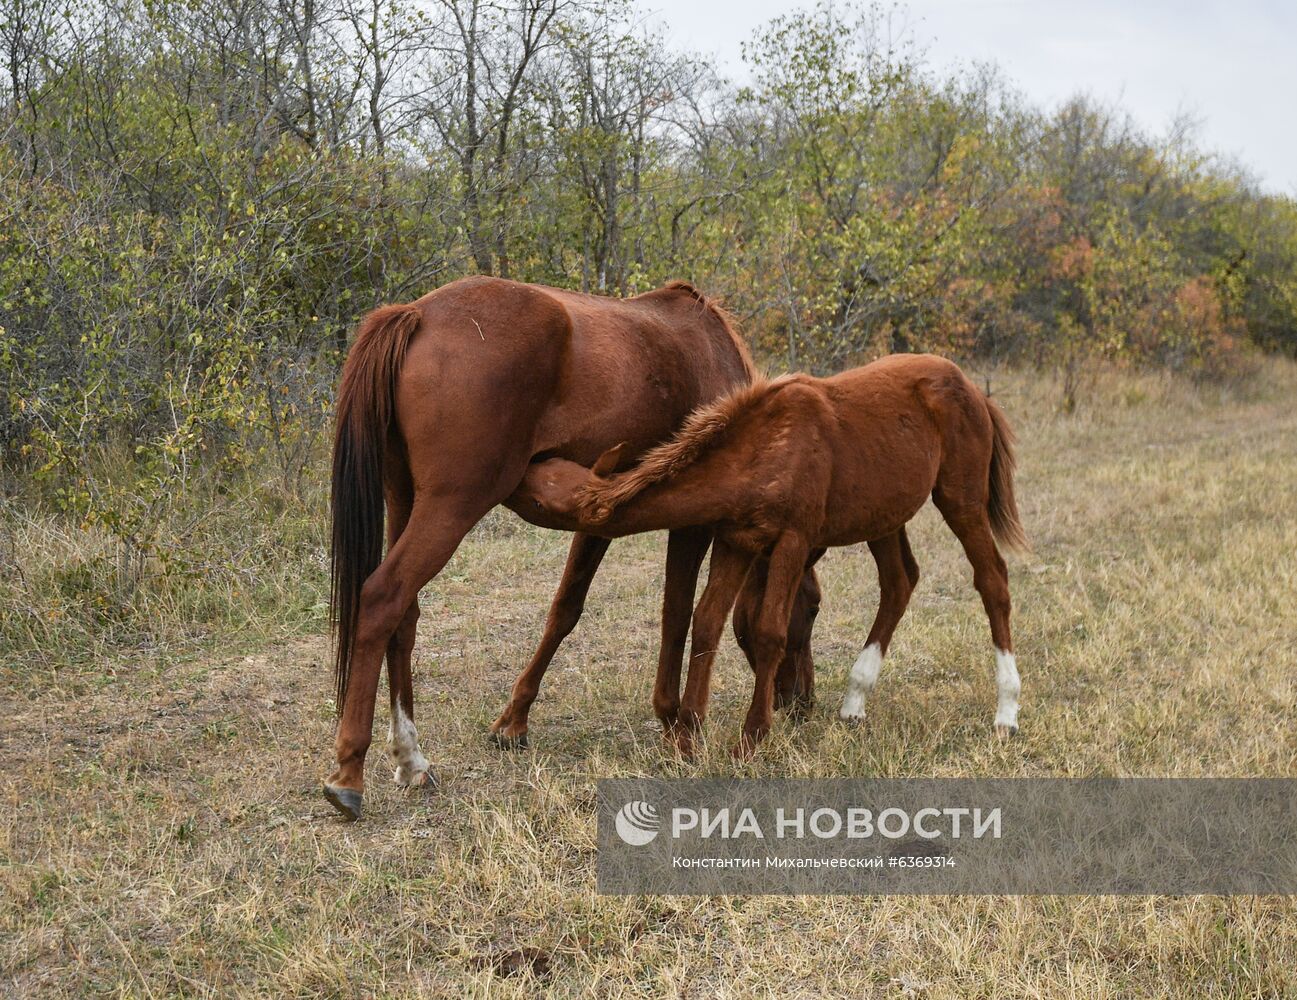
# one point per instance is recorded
(200, 199)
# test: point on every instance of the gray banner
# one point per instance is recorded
(948, 836)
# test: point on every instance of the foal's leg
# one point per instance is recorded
(685, 552)
(402, 737)
(991, 578)
(747, 608)
(724, 577)
(799, 695)
(795, 679)
(583, 559)
(907, 556)
(783, 577)
(896, 579)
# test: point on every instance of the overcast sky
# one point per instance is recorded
(1232, 66)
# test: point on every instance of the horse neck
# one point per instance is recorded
(683, 501)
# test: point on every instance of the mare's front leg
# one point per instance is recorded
(724, 577)
(583, 558)
(685, 551)
(783, 578)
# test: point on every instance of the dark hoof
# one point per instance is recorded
(506, 742)
(679, 740)
(743, 751)
(1004, 732)
(345, 800)
(685, 751)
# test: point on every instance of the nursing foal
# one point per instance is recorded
(784, 469)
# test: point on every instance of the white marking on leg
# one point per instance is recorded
(404, 739)
(1008, 686)
(861, 680)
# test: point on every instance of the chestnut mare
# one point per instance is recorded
(442, 404)
(783, 470)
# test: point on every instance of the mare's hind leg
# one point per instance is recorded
(897, 575)
(402, 737)
(746, 609)
(433, 533)
(972, 527)
(583, 559)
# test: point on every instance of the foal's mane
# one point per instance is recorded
(700, 431)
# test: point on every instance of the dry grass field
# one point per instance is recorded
(163, 835)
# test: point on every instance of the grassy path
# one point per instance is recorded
(162, 833)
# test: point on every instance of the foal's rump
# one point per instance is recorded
(914, 425)
(978, 456)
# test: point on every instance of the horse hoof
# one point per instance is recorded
(425, 781)
(1005, 732)
(853, 721)
(507, 742)
(680, 742)
(743, 751)
(345, 800)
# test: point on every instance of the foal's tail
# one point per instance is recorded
(1006, 525)
(366, 406)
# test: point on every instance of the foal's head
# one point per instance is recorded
(558, 487)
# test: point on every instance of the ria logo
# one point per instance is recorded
(637, 823)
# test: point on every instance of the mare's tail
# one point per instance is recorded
(366, 407)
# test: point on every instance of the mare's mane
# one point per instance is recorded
(726, 318)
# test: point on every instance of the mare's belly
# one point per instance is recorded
(640, 408)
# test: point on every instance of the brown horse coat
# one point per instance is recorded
(782, 470)
(442, 405)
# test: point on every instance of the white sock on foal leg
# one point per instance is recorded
(1008, 686)
(861, 680)
(404, 739)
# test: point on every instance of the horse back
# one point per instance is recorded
(901, 422)
(635, 368)
(915, 396)
(512, 370)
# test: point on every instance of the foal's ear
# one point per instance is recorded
(607, 463)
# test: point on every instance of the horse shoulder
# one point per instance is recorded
(797, 437)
